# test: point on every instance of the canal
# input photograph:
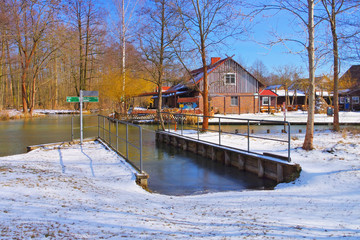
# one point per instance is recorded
(172, 171)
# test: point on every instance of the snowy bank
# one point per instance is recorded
(296, 117)
(90, 193)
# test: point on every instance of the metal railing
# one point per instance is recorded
(76, 125)
(121, 141)
(179, 123)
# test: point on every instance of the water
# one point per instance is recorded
(172, 171)
(16, 135)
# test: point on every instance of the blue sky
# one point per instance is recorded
(247, 52)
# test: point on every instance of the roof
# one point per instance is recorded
(267, 92)
(273, 87)
(354, 73)
(198, 74)
(349, 92)
(164, 89)
(281, 93)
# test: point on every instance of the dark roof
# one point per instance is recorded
(198, 74)
(273, 87)
(354, 73)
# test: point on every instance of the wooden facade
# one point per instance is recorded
(244, 81)
(232, 89)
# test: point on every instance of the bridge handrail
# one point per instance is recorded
(170, 117)
(106, 128)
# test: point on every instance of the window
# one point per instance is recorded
(265, 100)
(355, 100)
(234, 101)
(230, 79)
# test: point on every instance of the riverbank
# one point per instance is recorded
(89, 192)
(295, 118)
(16, 114)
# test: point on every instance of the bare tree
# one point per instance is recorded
(30, 21)
(260, 71)
(333, 9)
(125, 11)
(207, 24)
(287, 76)
(86, 22)
(303, 12)
(156, 37)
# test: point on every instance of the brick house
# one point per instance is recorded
(349, 99)
(232, 89)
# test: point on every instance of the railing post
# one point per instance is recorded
(182, 123)
(198, 127)
(104, 128)
(169, 122)
(98, 126)
(289, 139)
(127, 140)
(117, 135)
(219, 131)
(109, 132)
(72, 128)
(140, 143)
(248, 135)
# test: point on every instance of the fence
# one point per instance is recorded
(123, 137)
(90, 126)
(186, 124)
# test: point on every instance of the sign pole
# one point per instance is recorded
(90, 96)
(81, 117)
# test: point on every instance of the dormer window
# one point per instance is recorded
(230, 79)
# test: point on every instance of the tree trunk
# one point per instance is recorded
(309, 136)
(23, 93)
(336, 67)
(205, 95)
(33, 90)
(159, 107)
(56, 90)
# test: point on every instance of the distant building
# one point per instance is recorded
(349, 98)
(268, 101)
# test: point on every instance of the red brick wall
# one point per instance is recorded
(248, 104)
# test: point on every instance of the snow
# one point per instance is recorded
(89, 192)
(299, 117)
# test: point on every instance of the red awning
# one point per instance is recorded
(267, 92)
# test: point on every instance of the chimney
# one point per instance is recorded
(215, 60)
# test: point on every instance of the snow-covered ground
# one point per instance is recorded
(295, 117)
(89, 193)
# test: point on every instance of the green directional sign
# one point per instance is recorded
(72, 99)
(90, 99)
(85, 99)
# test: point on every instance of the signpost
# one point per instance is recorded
(85, 99)
(85, 96)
